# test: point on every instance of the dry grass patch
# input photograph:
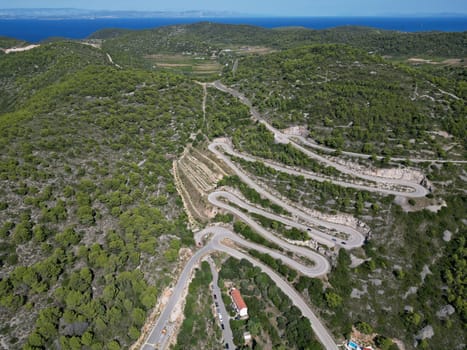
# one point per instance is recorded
(196, 175)
(257, 50)
(446, 62)
(187, 64)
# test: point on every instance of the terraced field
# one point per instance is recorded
(197, 175)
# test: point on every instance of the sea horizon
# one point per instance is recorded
(37, 30)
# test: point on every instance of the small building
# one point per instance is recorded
(238, 303)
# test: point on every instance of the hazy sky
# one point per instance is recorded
(267, 7)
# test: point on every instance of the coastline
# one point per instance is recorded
(36, 30)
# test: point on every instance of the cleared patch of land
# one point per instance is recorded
(186, 64)
(21, 49)
(257, 50)
(447, 62)
(196, 174)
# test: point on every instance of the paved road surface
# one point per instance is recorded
(414, 189)
(215, 198)
(157, 340)
(218, 85)
(357, 236)
(227, 331)
(321, 265)
(397, 187)
(382, 185)
(313, 144)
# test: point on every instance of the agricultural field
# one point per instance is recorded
(193, 65)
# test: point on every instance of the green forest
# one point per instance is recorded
(204, 38)
(80, 219)
(351, 100)
(274, 319)
(92, 225)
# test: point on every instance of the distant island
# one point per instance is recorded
(72, 13)
(320, 173)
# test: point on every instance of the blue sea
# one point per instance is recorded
(37, 30)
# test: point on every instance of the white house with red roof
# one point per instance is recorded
(238, 303)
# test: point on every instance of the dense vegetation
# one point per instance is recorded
(273, 320)
(91, 224)
(349, 99)
(224, 114)
(83, 226)
(6, 42)
(247, 232)
(386, 42)
(276, 264)
(259, 141)
(24, 73)
(290, 233)
(201, 39)
(249, 193)
(206, 38)
(199, 329)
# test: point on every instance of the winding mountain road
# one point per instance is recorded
(381, 185)
(415, 190)
(219, 234)
(279, 135)
(157, 339)
(358, 237)
(355, 240)
(368, 156)
(218, 238)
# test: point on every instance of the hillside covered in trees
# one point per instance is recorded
(349, 99)
(80, 219)
(92, 226)
(205, 38)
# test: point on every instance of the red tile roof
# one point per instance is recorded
(237, 298)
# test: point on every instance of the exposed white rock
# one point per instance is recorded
(447, 235)
(412, 290)
(445, 311)
(20, 49)
(376, 282)
(408, 308)
(356, 293)
(426, 271)
(425, 333)
(297, 131)
(355, 261)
